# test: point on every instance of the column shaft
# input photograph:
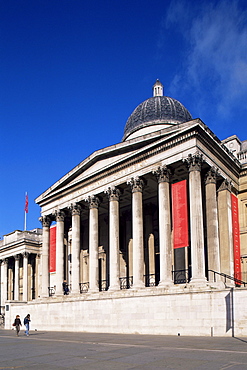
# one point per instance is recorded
(76, 249)
(225, 228)
(137, 229)
(163, 175)
(113, 195)
(17, 278)
(212, 225)
(45, 268)
(93, 244)
(59, 252)
(4, 281)
(196, 221)
(25, 276)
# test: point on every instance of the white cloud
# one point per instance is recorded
(216, 37)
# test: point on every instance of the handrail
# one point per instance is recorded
(237, 281)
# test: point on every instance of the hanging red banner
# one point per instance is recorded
(236, 237)
(180, 214)
(53, 248)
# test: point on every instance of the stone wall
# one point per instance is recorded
(153, 311)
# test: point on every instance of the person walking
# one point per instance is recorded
(17, 324)
(65, 288)
(26, 323)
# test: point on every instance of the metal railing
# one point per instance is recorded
(51, 290)
(103, 285)
(126, 282)
(226, 277)
(181, 276)
(152, 280)
(84, 287)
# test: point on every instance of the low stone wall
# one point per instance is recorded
(148, 311)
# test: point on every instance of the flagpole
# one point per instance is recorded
(25, 221)
(25, 211)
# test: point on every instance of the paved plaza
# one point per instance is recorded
(67, 350)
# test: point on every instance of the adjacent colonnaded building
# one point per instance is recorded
(150, 234)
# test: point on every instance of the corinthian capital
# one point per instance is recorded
(75, 209)
(194, 162)
(211, 176)
(137, 184)
(113, 193)
(163, 174)
(45, 220)
(59, 215)
(93, 201)
(226, 185)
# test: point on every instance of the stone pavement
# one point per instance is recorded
(67, 350)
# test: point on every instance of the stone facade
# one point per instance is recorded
(115, 233)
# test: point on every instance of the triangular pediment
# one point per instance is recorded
(106, 158)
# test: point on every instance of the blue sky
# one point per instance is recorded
(72, 71)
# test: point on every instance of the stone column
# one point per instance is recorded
(163, 175)
(225, 229)
(212, 225)
(93, 244)
(17, 278)
(4, 281)
(113, 195)
(137, 185)
(25, 276)
(59, 252)
(45, 268)
(37, 274)
(76, 246)
(194, 163)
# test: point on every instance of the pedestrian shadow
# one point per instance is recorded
(241, 340)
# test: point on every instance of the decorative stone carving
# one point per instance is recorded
(113, 193)
(93, 201)
(211, 176)
(194, 162)
(163, 174)
(137, 184)
(59, 215)
(226, 185)
(75, 209)
(45, 220)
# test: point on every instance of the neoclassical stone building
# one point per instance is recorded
(156, 221)
(19, 256)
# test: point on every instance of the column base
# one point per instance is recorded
(139, 285)
(198, 282)
(165, 284)
(113, 288)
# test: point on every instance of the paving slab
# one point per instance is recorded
(104, 351)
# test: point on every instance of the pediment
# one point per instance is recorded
(105, 159)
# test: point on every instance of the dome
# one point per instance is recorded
(158, 110)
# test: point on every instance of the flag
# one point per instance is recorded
(26, 204)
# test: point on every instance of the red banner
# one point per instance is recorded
(180, 214)
(53, 248)
(236, 237)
